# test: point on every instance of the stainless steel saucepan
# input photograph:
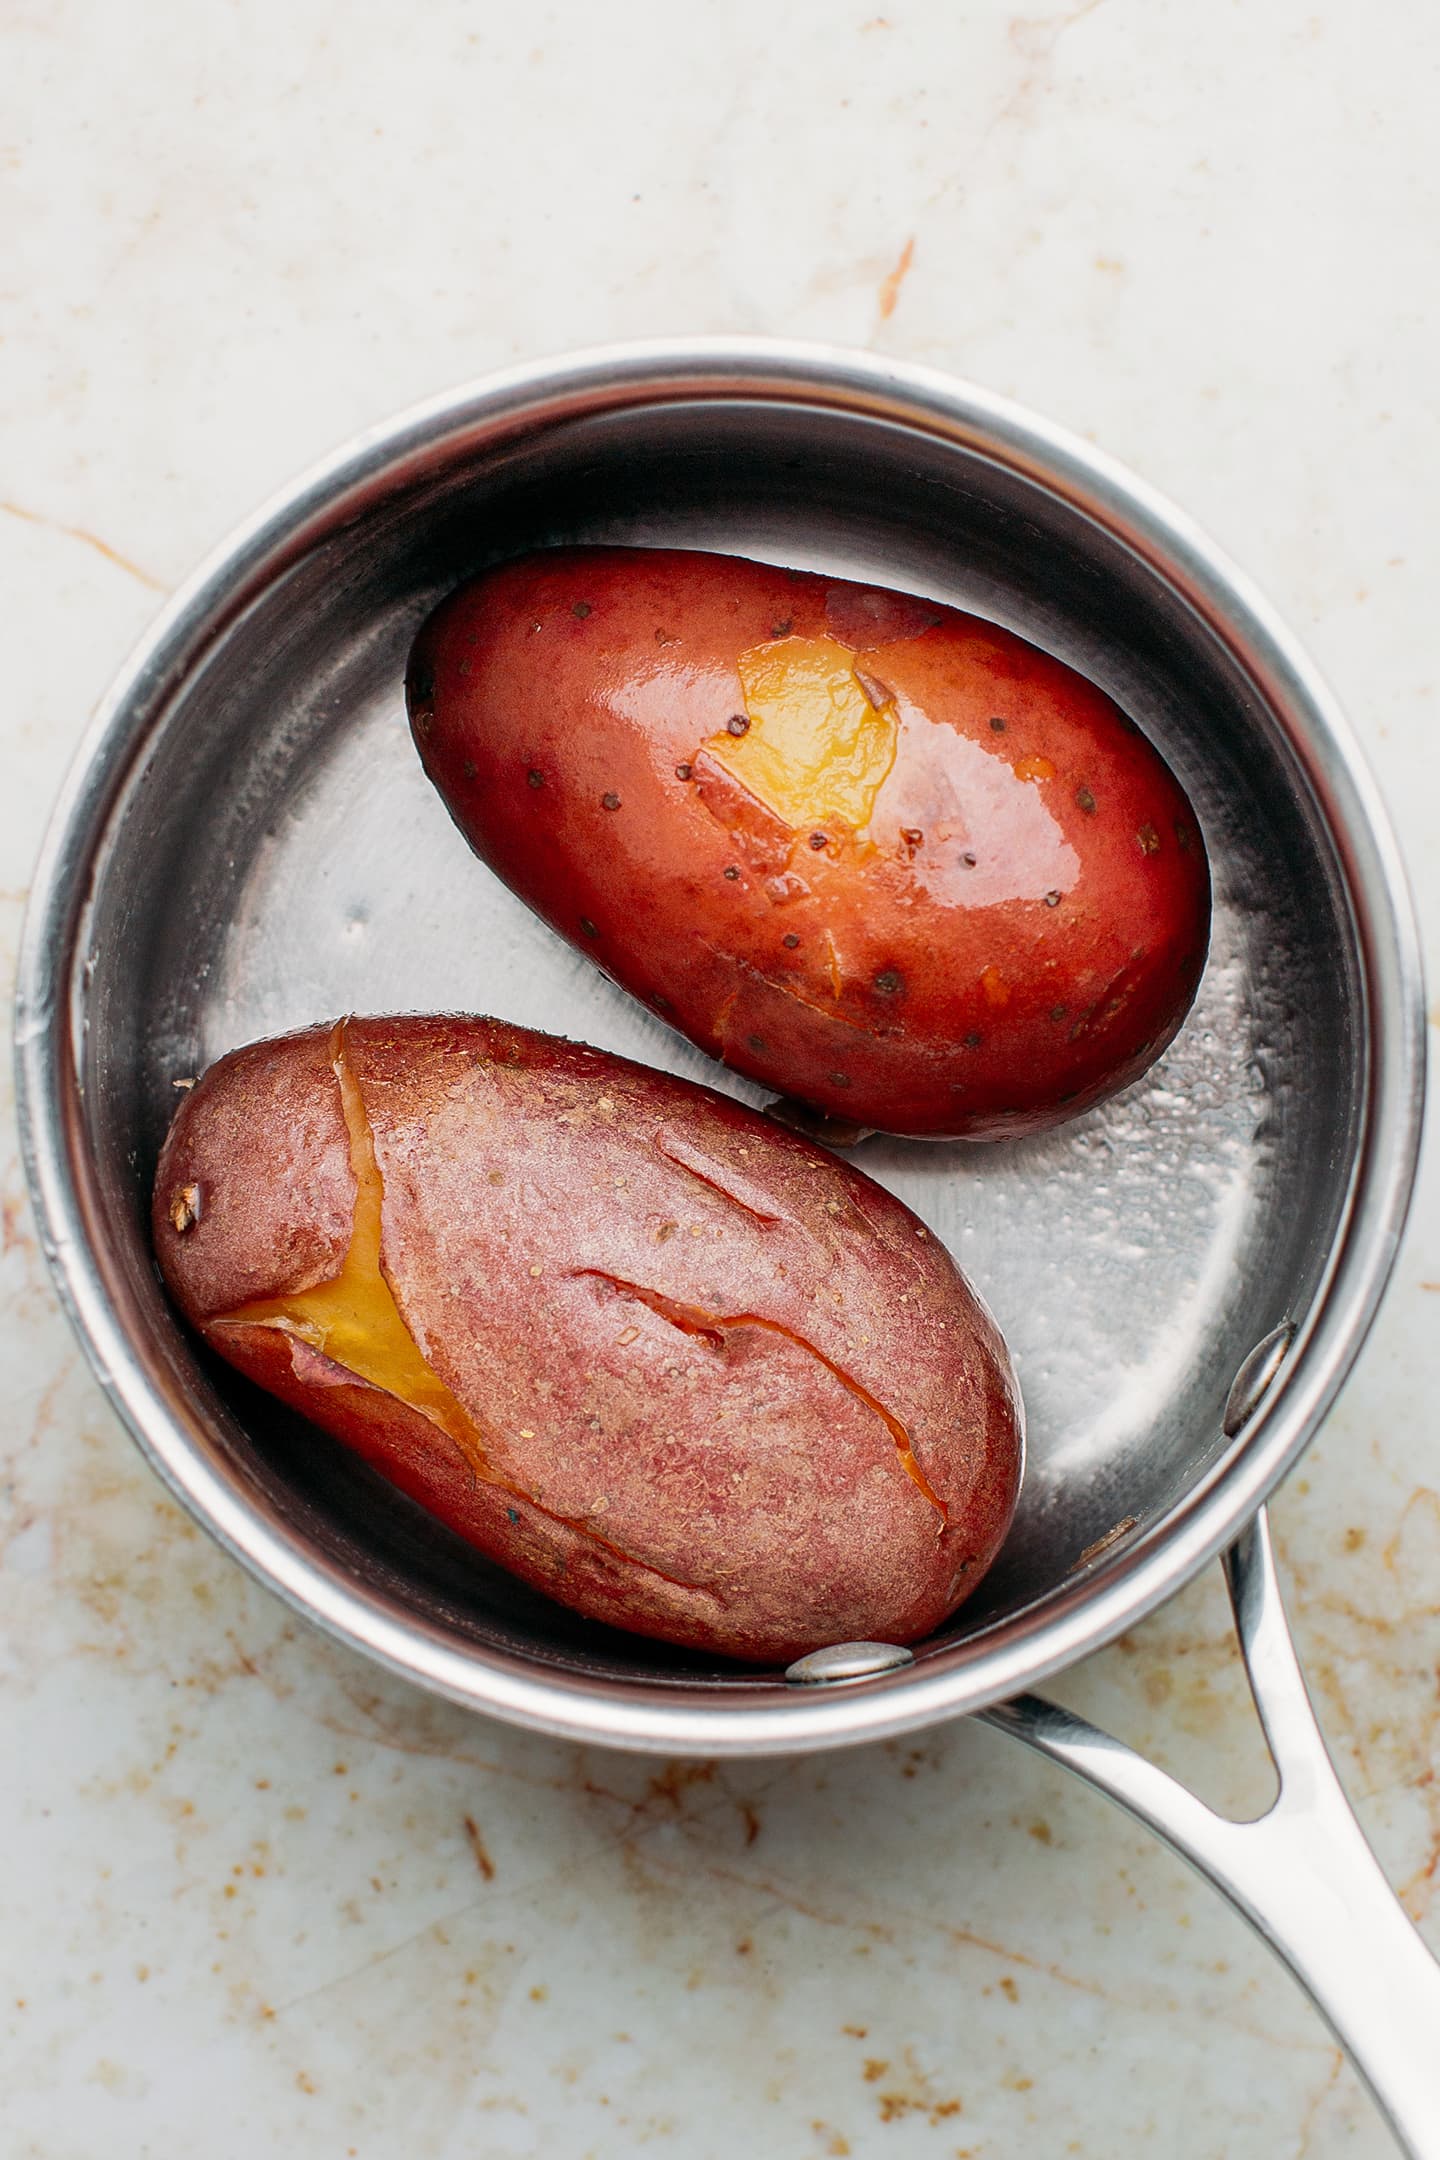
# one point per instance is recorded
(247, 844)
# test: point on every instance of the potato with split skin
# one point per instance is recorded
(879, 855)
(679, 1368)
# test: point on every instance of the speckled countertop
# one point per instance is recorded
(255, 1896)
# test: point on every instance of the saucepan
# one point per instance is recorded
(247, 844)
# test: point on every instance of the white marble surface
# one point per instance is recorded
(255, 1897)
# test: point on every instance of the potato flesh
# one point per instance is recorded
(353, 1319)
(818, 746)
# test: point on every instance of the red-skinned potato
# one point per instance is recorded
(677, 1367)
(881, 856)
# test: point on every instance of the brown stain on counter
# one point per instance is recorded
(888, 296)
(33, 1293)
(1311, 2120)
(86, 539)
(877, 1932)
(669, 1785)
(14, 1233)
(477, 1846)
(1034, 38)
(914, 2092)
(1357, 1653)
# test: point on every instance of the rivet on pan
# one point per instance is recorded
(1253, 1381)
(847, 1661)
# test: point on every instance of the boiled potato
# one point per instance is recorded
(881, 856)
(675, 1366)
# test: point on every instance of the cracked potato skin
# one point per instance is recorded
(691, 1344)
(988, 911)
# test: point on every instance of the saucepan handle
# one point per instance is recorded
(1302, 1873)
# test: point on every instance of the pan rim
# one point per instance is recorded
(650, 1715)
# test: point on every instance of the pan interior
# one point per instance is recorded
(278, 857)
